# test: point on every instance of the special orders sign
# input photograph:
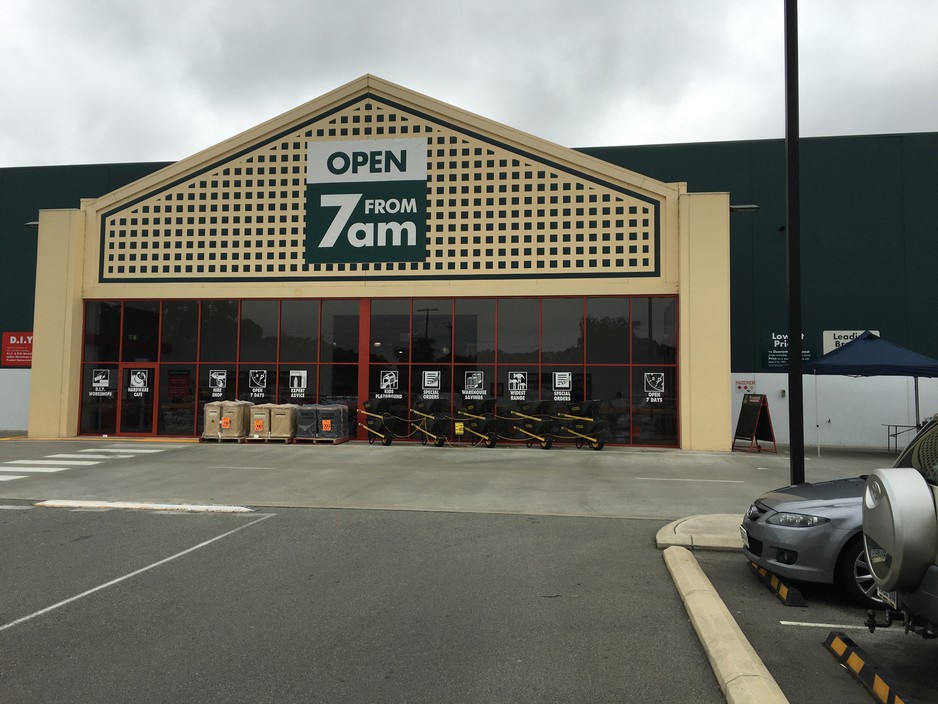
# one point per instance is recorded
(366, 201)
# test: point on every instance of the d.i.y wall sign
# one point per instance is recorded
(366, 201)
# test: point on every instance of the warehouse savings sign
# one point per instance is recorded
(366, 201)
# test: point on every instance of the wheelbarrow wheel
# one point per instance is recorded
(439, 441)
(490, 440)
(386, 439)
(547, 442)
(597, 444)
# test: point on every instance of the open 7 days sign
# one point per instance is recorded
(366, 201)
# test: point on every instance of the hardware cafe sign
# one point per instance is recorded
(366, 201)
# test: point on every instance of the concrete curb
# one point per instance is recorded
(739, 671)
(712, 532)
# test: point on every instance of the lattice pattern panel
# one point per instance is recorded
(491, 212)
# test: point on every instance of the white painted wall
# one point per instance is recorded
(14, 399)
(841, 411)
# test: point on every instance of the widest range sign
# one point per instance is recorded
(366, 201)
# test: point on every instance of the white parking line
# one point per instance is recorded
(34, 469)
(132, 574)
(38, 462)
(90, 457)
(137, 505)
(133, 450)
(715, 481)
(10, 477)
(16, 508)
(836, 626)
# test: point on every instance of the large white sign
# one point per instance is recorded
(366, 201)
(832, 339)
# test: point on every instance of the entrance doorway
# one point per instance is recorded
(137, 399)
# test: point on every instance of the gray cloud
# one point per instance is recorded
(106, 80)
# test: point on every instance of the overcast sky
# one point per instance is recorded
(95, 81)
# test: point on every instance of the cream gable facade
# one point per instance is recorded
(507, 214)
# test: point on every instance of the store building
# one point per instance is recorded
(376, 243)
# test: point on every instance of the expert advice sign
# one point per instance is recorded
(366, 201)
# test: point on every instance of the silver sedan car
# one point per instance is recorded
(812, 533)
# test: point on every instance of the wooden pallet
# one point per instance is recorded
(328, 441)
(220, 439)
(251, 438)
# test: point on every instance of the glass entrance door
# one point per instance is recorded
(138, 399)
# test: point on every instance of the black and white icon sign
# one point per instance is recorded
(517, 382)
(101, 378)
(388, 381)
(258, 379)
(474, 381)
(563, 381)
(138, 378)
(297, 378)
(431, 380)
(218, 378)
(654, 382)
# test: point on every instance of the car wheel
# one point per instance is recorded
(855, 577)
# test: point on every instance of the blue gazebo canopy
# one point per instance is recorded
(870, 355)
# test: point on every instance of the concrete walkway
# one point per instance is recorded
(739, 670)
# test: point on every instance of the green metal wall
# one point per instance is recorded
(869, 234)
(24, 191)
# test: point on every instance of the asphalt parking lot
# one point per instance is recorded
(322, 605)
(790, 640)
(392, 574)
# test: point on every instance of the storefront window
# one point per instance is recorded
(518, 329)
(100, 386)
(432, 383)
(338, 383)
(433, 330)
(180, 333)
(474, 383)
(611, 386)
(562, 384)
(297, 383)
(388, 384)
(176, 415)
(607, 331)
(219, 331)
(299, 331)
(102, 331)
(259, 325)
(441, 352)
(654, 331)
(474, 330)
(339, 331)
(390, 331)
(140, 339)
(257, 383)
(516, 383)
(654, 406)
(562, 330)
(217, 382)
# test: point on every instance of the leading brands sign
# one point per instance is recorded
(366, 201)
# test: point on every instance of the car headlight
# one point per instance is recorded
(796, 520)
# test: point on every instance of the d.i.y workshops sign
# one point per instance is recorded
(366, 201)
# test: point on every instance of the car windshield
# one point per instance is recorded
(922, 453)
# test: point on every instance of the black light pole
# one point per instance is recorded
(793, 231)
